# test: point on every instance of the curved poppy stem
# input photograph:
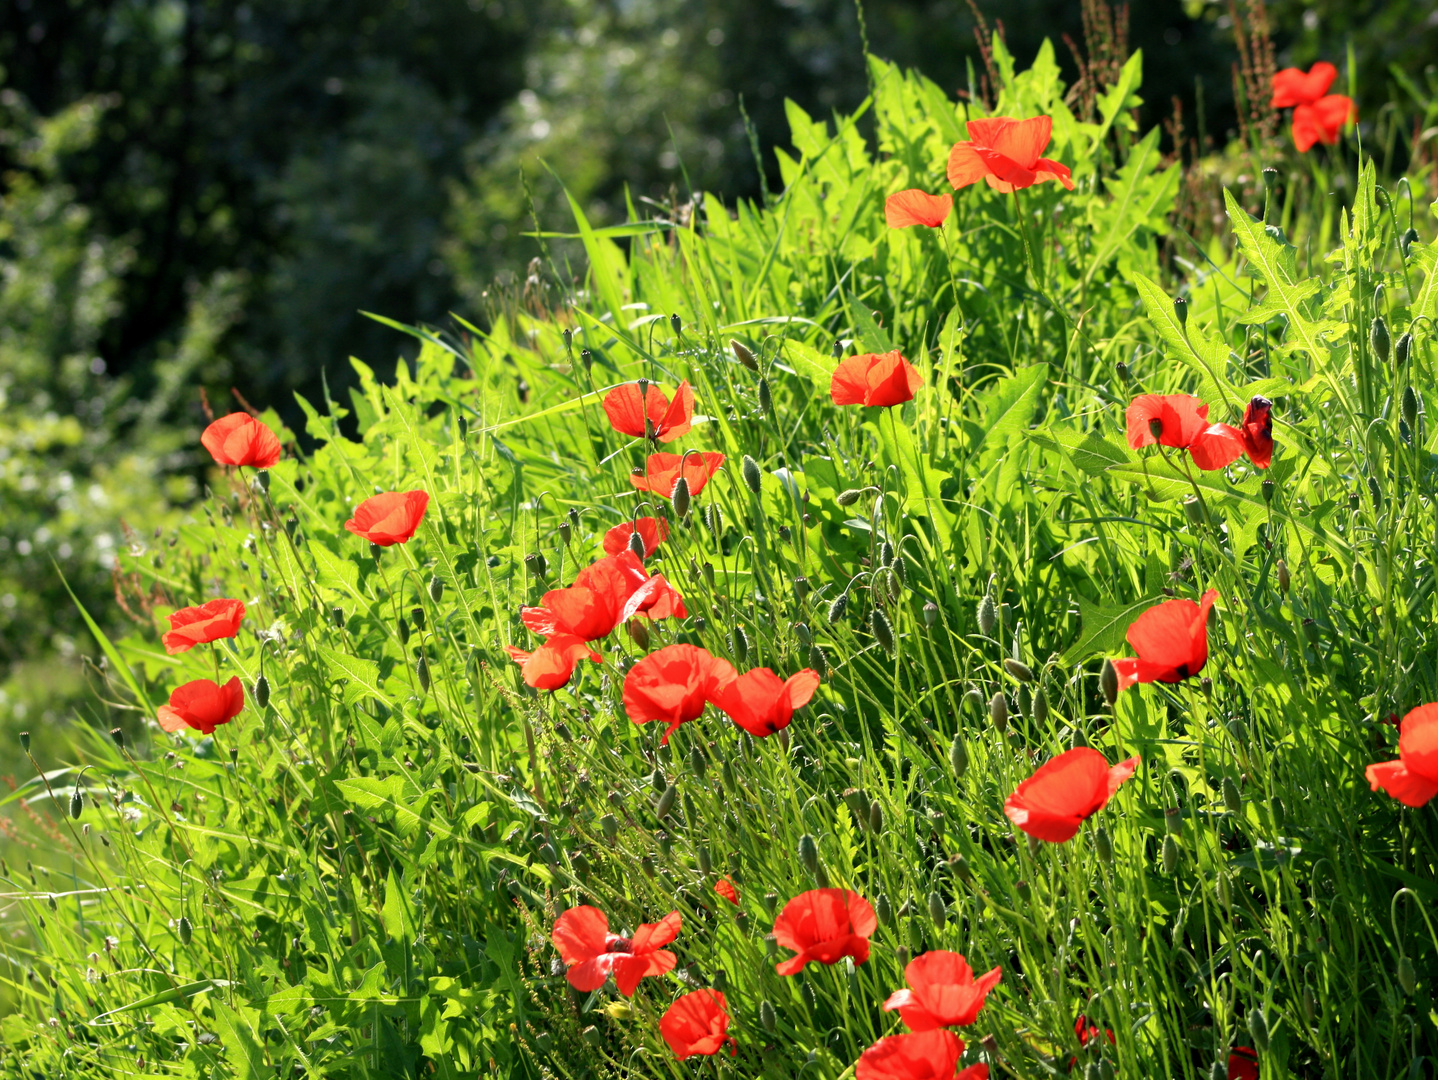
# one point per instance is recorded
(1035, 264)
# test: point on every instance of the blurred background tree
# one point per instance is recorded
(207, 193)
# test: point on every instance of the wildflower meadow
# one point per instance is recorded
(959, 619)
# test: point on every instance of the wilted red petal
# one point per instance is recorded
(391, 517)
(697, 1023)
(924, 1055)
(240, 439)
(915, 207)
(1257, 432)
(725, 887)
(1064, 792)
(210, 621)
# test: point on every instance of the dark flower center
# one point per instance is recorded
(620, 944)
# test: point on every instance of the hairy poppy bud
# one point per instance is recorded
(436, 588)
(118, 734)
(1103, 844)
(1407, 977)
(837, 607)
(743, 355)
(848, 497)
(916, 936)
(666, 802)
(675, 323)
(883, 909)
(636, 545)
(1410, 407)
(680, 497)
(753, 475)
(741, 644)
(610, 824)
(819, 661)
(1378, 338)
(697, 764)
(185, 929)
(960, 868)
(1375, 493)
(973, 699)
(1041, 709)
(808, 853)
(421, 671)
(958, 756)
(766, 398)
(1180, 310)
(1258, 1029)
(1173, 821)
(938, 910)
(876, 818)
(988, 616)
(767, 1017)
(657, 779)
(883, 632)
(261, 692)
(1019, 670)
(886, 553)
(803, 633)
(1360, 576)
(1223, 890)
(77, 805)
(1283, 578)
(999, 712)
(930, 613)
(703, 859)
(1403, 348)
(1232, 799)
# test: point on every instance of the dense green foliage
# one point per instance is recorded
(358, 877)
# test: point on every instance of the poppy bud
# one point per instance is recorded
(988, 616)
(1403, 348)
(680, 497)
(959, 867)
(819, 661)
(1223, 890)
(767, 1017)
(1173, 821)
(930, 612)
(808, 853)
(1041, 710)
(1258, 1029)
(421, 670)
(77, 805)
(916, 936)
(753, 475)
(1310, 631)
(1378, 338)
(1121, 370)
(1093, 1071)
(185, 929)
(883, 632)
(646, 863)
(1232, 799)
(1180, 310)
(24, 742)
(973, 699)
(999, 712)
(261, 692)
(610, 824)
(675, 323)
(938, 910)
(802, 632)
(696, 763)
(876, 818)
(1375, 492)
(958, 756)
(731, 779)
(1193, 510)
(118, 734)
(1360, 576)
(1103, 844)
(886, 553)
(337, 614)
(1309, 1005)
(848, 497)
(1283, 577)
(837, 608)
(436, 588)
(1410, 408)
(858, 802)
(536, 564)
(743, 355)
(766, 398)
(1019, 670)
(1407, 977)
(703, 858)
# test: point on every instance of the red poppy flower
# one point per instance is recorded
(1257, 432)
(1179, 420)
(652, 530)
(240, 439)
(594, 605)
(942, 991)
(210, 621)
(1413, 778)
(824, 925)
(670, 686)
(762, 703)
(725, 888)
(915, 207)
(552, 664)
(629, 413)
(1065, 791)
(1222, 444)
(697, 1023)
(1292, 87)
(1243, 1063)
(873, 379)
(1087, 1032)
(203, 705)
(662, 472)
(655, 599)
(591, 952)
(1321, 122)
(925, 1055)
(389, 518)
(1004, 153)
(1171, 640)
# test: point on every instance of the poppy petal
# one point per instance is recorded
(965, 166)
(580, 934)
(916, 207)
(1407, 787)
(850, 382)
(1219, 446)
(1045, 168)
(1023, 142)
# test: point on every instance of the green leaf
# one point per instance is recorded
(1102, 628)
(359, 675)
(397, 914)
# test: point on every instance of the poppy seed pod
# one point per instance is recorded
(1378, 338)
(803, 634)
(743, 355)
(1019, 670)
(848, 497)
(837, 607)
(1267, 488)
(261, 691)
(753, 475)
(666, 802)
(1403, 348)
(1180, 310)
(802, 588)
(436, 588)
(680, 497)
(375, 552)
(819, 661)
(987, 615)
(338, 615)
(537, 564)
(771, 903)
(930, 613)
(766, 398)
(883, 632)
(185, 929)
(999, 712)
(767, 1017)
(118, 734)
(1258, 1029)
(610, 824)
(675, 323)
(77, 805)
(1410, 408)
(958, 756)
(1120, 369)
(808, 854)
(876, 818)
(1193, 510)
(1407, 977)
